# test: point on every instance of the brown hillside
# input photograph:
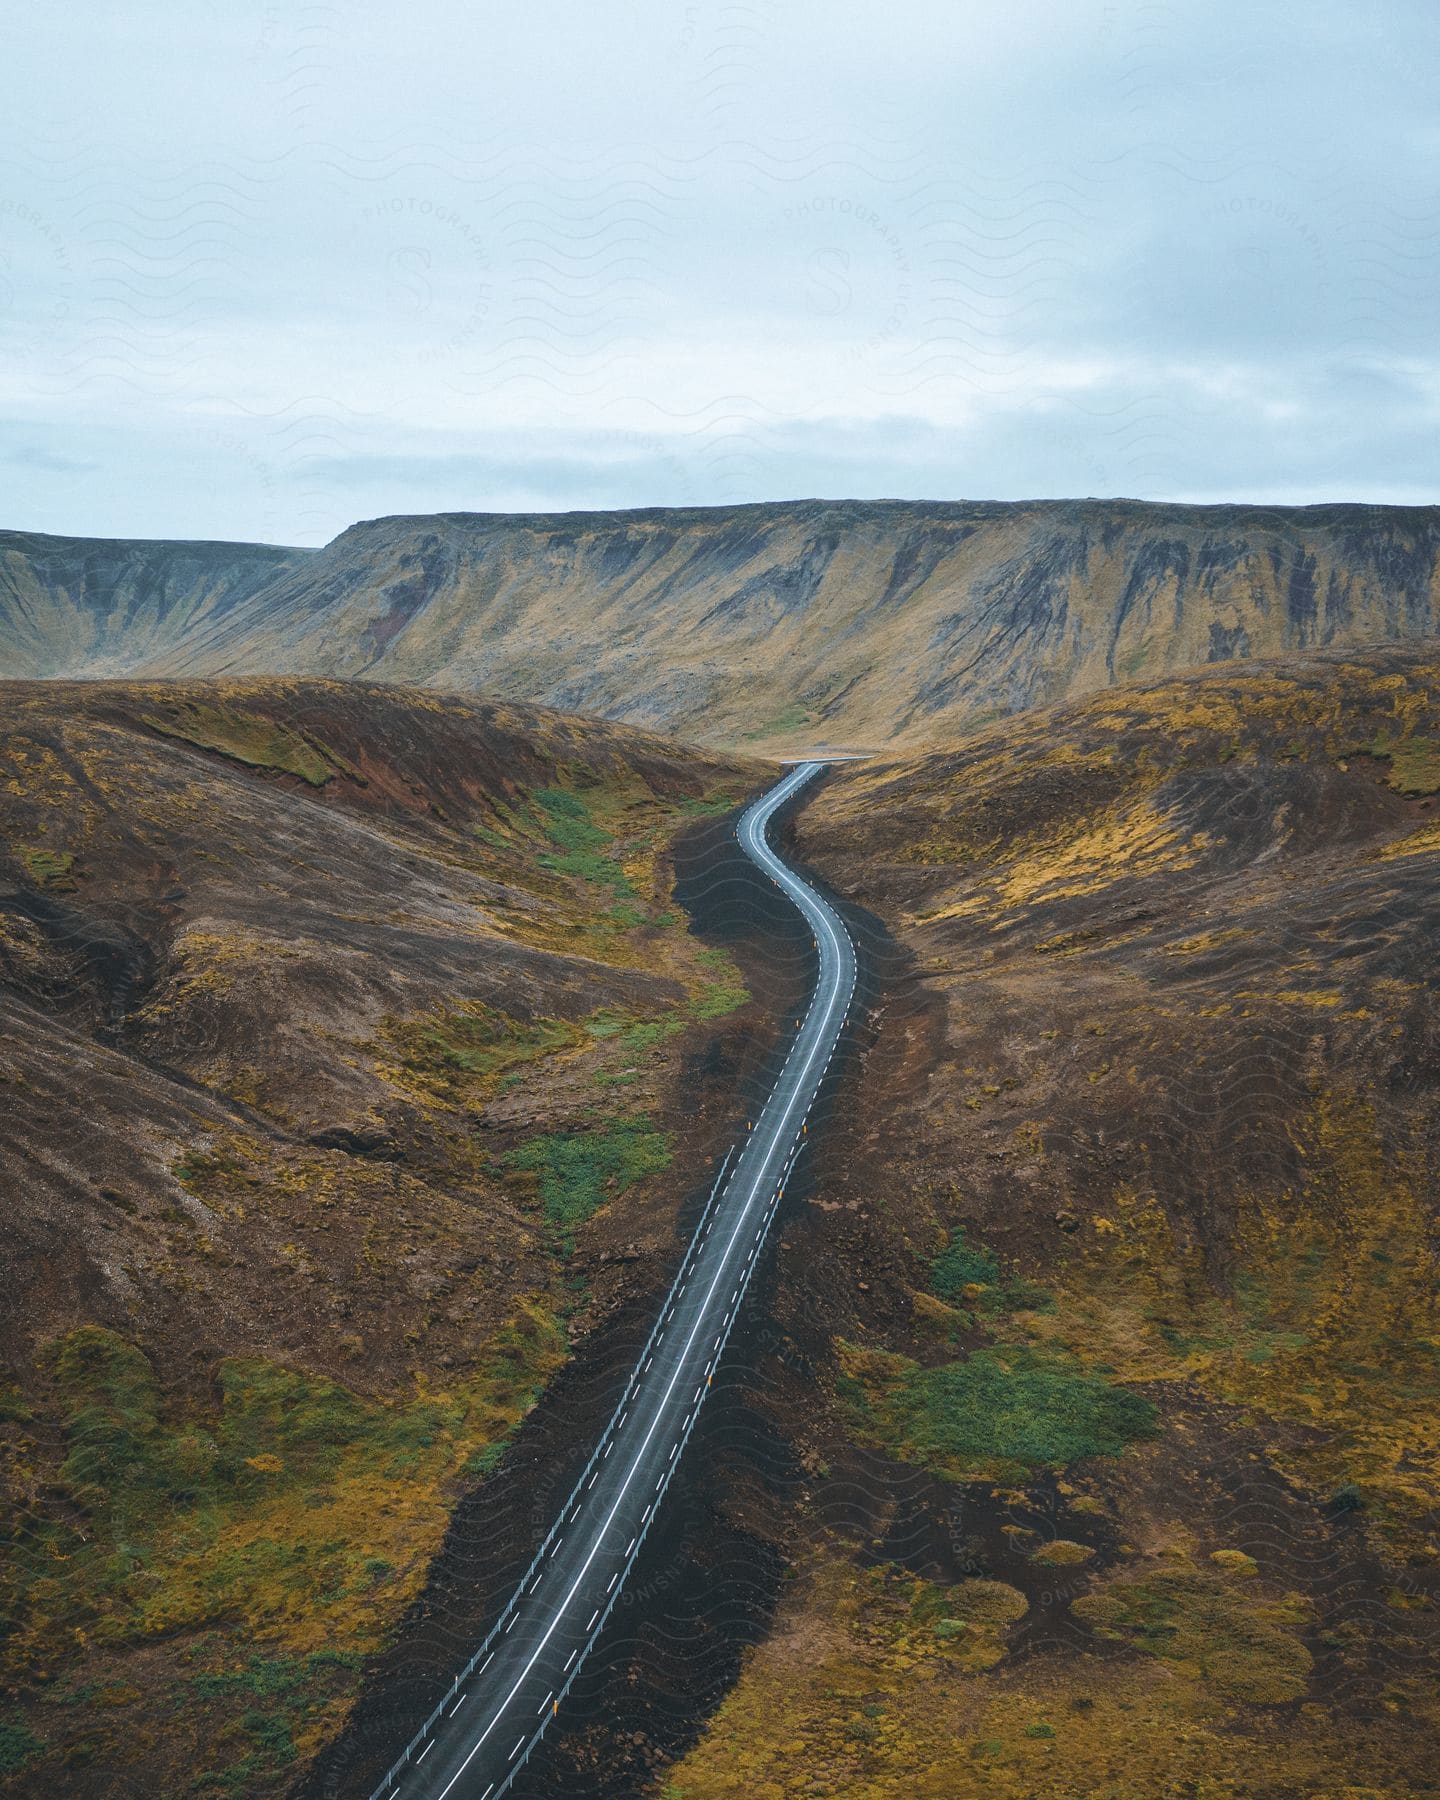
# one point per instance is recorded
(1148, 1123)
(341, 1039)
(102, 606)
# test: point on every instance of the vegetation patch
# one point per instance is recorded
(272, 1704)
(792, 718)
(628, 1041)
(251, 738)
(971, 1619)
(1332, 1314)
(1247, 1646)
(53, 869)
(873, 1685)
(710, 806)
(465, 1051)
(271, 1515)
(724, 991)
(960, 1266)
(1132, 840)
(1424, 842)
(828, 1714)
(995, 1409)
(576, 1172)
(1414, 763)
(1062, 1553)
(581, 845)
(18, 1746)
(970, 1274)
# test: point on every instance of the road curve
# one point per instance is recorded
(483, 1732)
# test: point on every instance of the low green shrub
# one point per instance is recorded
(18, 1746)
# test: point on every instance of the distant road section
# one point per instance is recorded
(514, 1686)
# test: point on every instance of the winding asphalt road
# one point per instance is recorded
(483, 1732)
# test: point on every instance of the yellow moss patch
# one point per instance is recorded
(465, 1052)
(846, 1700)
(1414, 763)
(53, 869)
(207, 962)
(1244, 1644)
(1424, 842)
(1332, 1315)
(1208, 940)
(251, 738)
(1062, 1553)
(936, 1316)
(1124, 843)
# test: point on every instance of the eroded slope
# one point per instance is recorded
(857, 623)
(105, 606)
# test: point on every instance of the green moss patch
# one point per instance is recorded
(1414, 763)
(53, 869)
(791, 719)
(960, 1265)
(994, 1409)
(18, 1747)
(631, 1035)
(972, 1274)
(275, 1698)
(454, 1053)
(724, 992)
(581, 845)
(576, 1172)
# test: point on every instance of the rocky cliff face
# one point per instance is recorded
(863, 622)
(102, 606)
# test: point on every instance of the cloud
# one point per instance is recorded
(310, 262)
(49, 462)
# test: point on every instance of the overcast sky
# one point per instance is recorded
(269, 268)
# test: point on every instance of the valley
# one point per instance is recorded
(370, 1052)
(719, 901)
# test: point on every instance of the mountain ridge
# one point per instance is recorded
(876, 621)
(71, 605)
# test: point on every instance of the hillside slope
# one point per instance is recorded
(341, 1039)
(848, 622)
(860, 622)
(1120, 1268)
(103, 606)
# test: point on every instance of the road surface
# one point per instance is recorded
(482, 1733)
